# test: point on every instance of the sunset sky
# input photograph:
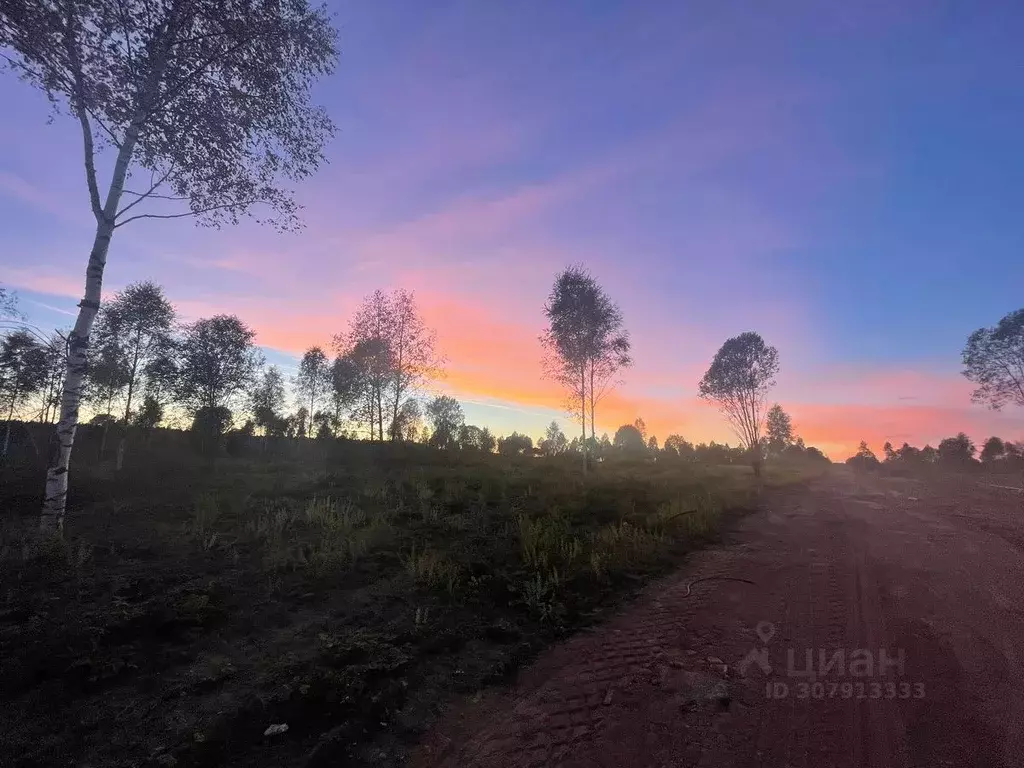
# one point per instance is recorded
(846, 179)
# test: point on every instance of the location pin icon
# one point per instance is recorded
(765, 630)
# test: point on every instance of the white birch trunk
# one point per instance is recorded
(63, 439)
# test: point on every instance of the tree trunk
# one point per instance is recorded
(592, 435)
(7, 432)
(583, 415)
(63, 438)
(128, 405)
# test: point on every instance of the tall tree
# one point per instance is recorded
(739, 378)
(957, 450)
(779, 428)
(106, 380)
(641, 427)
(313, 381)
(555, 442)
(629, 439)
(137, 322)
(22, 373)
(584, 342)
(205, 104)
(368, 346)
(413, 357)
(994, 360)
(409, 423)
(397, 353)
(446, 418)
(267, 401)
(993, 450)
(217, 361)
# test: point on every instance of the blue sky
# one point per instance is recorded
(843, 178)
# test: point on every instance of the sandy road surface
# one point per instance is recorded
(935, 573)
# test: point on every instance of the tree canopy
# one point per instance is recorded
(739, 378)
(994, 360)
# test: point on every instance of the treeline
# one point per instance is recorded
(147, 369)
(953, 452)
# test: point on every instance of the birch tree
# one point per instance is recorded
(205, 109)
(217, 362)
(313, 381)
(137, 322)
(584, 343)
(739, 378)
(22, 373)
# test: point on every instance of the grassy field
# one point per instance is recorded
(191, 607)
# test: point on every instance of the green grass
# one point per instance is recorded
(365, 589)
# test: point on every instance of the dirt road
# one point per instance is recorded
(905, 599)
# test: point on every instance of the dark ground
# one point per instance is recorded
(189, 609)
(930, 570)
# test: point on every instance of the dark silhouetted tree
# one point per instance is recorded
(22, 373)
(738, 381)
(446, 419)
(629, 439)
(204, 104)
(779, 429)
(409, 424)
(957, 450)
(993, 450)
(217, 361)
(555, 442)
(266, 400)
(515, 445)
(864, 458)
(677, 445)
(994, 360)
(652, 444)
(890, 453)
(137, 323)
(313, 381)
(411, 344)
(584, 343)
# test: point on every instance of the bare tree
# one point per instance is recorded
(738, 381)
(205, 104)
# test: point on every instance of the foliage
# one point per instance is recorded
(208, 427)
(216, 361)
(387, 353)
(584, 342)
(515, 445)
(23, 366)
(629, 439)
(446, 419)
(993, 450)
(957, 450)
(739, 378)
(779, 430)
(864, 459)
(266, 401)
(313, 380)
(994, 360)
(554, 442)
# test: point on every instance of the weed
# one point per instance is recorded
(432, 570)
